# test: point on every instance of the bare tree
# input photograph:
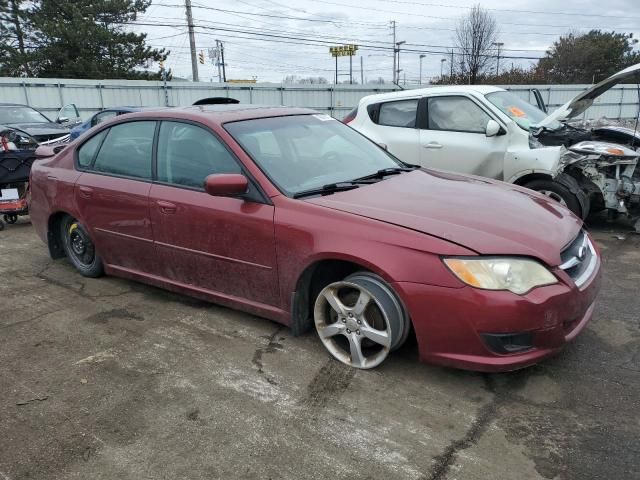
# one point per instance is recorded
(476, 34)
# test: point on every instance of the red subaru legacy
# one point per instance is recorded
(291, 215)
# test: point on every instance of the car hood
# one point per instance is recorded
(39, 129)
(579, 104)
(486, 216)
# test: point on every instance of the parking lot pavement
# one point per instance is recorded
(109, 379)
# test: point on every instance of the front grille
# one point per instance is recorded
(579, 259)
(51, 140)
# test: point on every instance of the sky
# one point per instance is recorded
(295, 35)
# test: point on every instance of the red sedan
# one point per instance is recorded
(293, 216)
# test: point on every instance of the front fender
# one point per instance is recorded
(519, 163)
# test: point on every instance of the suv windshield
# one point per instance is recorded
(519, 110)
(304, 152)
(20, 114)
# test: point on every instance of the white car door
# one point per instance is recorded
(453, 137)
(393, 124)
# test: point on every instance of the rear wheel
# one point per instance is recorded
(557, 192)
(360, 320)
(11, 218)
(79, 248)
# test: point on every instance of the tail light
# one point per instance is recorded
(349, 117)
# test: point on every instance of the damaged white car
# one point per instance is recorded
(488, 131)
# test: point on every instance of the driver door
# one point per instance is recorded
(453, 137)
(222, 245)
(69, 116)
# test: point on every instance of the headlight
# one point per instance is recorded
(16, 140)
(513, 274)
(534, 142)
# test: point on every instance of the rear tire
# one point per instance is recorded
(559, 193)
(79, 248)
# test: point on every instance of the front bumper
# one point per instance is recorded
(449, 322)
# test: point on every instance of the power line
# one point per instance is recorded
(313, 41)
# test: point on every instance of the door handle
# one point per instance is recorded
(166, 207)
(432, 145)
(85, 192)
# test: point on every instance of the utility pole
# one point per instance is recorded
(361, 71)
(397, 62)
(393, 26)
(451, 75)
(224, 65)
(192, 41)
(442, 60)
(350, 69)
(498, 44)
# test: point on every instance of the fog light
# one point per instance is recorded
(506, 343)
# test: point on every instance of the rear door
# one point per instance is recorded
(393, 124)
(112, 194)
(217, 244)
(453, 137)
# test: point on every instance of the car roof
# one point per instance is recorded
(224, 113)
(416, 92)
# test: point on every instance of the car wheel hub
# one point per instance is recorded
(352, 325)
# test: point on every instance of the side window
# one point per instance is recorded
(70, 112)
(88, 150)
(187, 154)
(127, 150)
(398, 114)
(458, 114)
(102, 117)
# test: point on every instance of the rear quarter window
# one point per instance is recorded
(87, 152)
(401, 113)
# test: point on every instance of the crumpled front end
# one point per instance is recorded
(606, 171)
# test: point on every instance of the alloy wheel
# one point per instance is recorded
(356, 325)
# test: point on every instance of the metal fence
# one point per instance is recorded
(90, 96)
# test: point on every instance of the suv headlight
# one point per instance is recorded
(534, 142)
(514, 274)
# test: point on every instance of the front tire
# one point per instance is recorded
(360, 320)
(79, 248)
(559, 193)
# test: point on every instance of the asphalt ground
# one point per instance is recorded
(110, 379)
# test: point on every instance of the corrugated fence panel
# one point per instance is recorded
(90, 96)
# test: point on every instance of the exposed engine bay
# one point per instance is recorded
(604, 162)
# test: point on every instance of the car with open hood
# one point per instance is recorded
(488, 131)
(28, 123)
(291, 215)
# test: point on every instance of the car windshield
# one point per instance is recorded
(20, 114)
(519, 110)
(305, 152)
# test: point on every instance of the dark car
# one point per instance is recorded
(294, 216)
(29, 121)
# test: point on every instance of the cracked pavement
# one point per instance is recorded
(110, 379)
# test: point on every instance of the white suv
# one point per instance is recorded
(491, 132)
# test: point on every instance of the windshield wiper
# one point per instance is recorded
(387, 171)
(328, 189)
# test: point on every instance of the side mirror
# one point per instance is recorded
(226, 184)
(45, 152)
(63, 120)
(493, 128)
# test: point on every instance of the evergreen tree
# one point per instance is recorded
(587, 58)
(80, 39)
